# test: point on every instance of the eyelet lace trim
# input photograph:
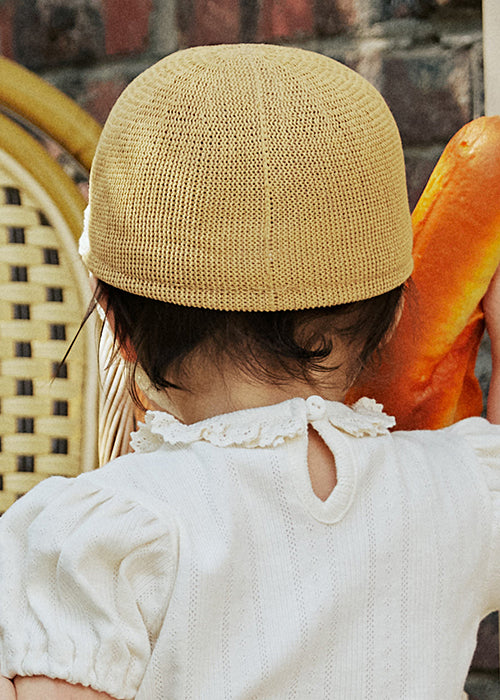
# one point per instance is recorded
(365, 418)
(262, 427)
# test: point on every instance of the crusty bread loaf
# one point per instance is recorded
(426, 378)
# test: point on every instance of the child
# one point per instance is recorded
(250, 241)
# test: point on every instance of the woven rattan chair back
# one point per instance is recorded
(48, 424)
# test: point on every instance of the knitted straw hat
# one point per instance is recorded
(253, 178)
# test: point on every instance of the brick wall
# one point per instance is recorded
(425, 56)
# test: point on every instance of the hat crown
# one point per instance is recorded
(250, 177)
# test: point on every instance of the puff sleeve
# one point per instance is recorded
(85, 579)
(484, 440)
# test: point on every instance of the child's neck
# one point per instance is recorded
(219, 396)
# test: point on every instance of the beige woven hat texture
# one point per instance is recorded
(250, 177)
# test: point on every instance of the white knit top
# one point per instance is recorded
(203, 566)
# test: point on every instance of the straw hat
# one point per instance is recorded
(250, 177)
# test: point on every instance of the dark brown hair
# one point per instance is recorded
(269, 346)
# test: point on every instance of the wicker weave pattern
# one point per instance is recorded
(250, 178)
(41, 425)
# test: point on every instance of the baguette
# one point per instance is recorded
(426, 375)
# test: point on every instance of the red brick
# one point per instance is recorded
(412, 8)
(335, 16)
(100, 97)
(6, 34)
(210, 22)
(419, 166)
(429, 93)
(285, 19)
(50, 34)
(127, 25)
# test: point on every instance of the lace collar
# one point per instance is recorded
(266, 426)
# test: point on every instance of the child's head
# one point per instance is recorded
(262, 181)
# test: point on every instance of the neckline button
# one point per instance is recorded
(316, 408)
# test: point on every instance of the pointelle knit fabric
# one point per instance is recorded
(203, 565)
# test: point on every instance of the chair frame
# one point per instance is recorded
(33, 112)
